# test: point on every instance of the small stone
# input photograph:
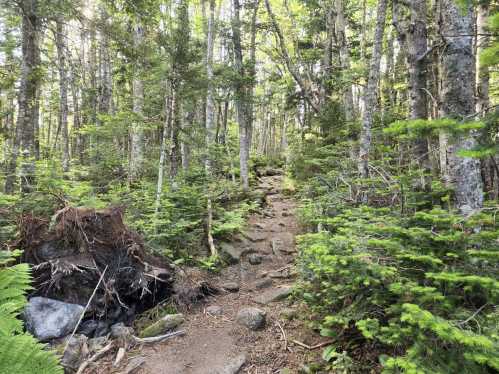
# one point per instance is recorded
(286, 214)
(134, 365)
(76, 351)
(48, 319)
(231, 286)
(275, 294)
(231, 253)
(168, 322)
(279, 274)
(214, 310)
(263, 283)
(281, 223)
(260, 226)
(122, 334)
(255, 259)
(255, 236)
(233, 366)
(252, 318)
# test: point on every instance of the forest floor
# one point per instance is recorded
(216, 344)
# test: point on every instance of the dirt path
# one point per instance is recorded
(216, 343)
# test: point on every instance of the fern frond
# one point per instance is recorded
(22, 354)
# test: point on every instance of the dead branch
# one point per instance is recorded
(94, 358)
(159, 338)
(283, 335)
(311, 347)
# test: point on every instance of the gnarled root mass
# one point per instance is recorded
(70, 251)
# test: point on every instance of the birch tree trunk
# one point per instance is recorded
(210, 119)
(370, 94)
(240, 97)
(136, 132)
(61, 45)
(457, 96)
(163, 151)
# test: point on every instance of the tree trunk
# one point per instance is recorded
(174, 130)
(28, 95)
(482, 72)
(240, 97)
(210, 120)
(457, 96)
(163, 151)
(413, 38)
(136, 161)
(340, 29)
(370, 94)
(106, 79)
(61, 45)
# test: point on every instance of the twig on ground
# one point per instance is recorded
(310, 347)
(283, 335)
(95, 357)
(159, 338)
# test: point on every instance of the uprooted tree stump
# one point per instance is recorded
(70, 252)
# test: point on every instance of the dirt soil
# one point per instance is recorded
(213, 343)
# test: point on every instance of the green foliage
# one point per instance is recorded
(19, 352)
(416, 285)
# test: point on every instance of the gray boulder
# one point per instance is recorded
(252, 318)
(231, 253)
(274, 294)
(48, 319)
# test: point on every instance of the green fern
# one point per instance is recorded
(20, 353)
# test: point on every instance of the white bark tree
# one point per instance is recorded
(370, 94)
(457, 97)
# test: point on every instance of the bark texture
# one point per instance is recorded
(457, 96)
(61, 45)
(27, 119)
(136, 132)
(370, 94)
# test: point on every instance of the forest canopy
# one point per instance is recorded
(383, 115)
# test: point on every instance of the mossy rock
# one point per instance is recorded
(159, 327)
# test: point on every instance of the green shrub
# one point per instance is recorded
(422, 287)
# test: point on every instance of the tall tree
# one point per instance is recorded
(413, 38)
(27, 118)
(136, 131)
(482, 71)
(244, 86)
(457, 97)
(370, 94)
(210, 118)
(62, 50)
(340, 29)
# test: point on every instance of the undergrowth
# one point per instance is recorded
(402, 284)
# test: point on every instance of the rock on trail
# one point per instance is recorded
(238, 329)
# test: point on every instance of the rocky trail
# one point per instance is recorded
(251, 326)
